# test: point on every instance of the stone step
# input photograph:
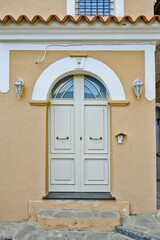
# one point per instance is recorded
(78, 220)
(134, 234)
(103, 205)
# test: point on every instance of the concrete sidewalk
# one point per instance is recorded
(29, 231)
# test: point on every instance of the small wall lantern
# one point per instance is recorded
(19, 85)
(120, 137)
(138, 85)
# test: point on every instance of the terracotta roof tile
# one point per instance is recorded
(82, 18)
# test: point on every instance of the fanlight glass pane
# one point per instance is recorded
(94, 88)
(64, 88)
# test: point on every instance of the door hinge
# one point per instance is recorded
(80, 138)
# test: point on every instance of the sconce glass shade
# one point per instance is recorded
(19, 85)
(138, 86)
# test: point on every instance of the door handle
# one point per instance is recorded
(91, 138)
(58, 138)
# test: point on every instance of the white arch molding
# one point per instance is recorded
(78, 65)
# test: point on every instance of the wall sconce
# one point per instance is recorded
(138, 85)
(19, 85)
(120, 137)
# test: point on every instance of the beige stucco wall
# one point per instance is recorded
(58, 7)
(139, 7)
(23, 137)
(31, 8)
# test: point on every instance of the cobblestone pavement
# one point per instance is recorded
(7, 229)
(25, 230)
(147, 224)
(29, 231)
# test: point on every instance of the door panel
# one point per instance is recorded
(62, 171)
(96, 171)
(95, 129)
(95, 158)
(63, 167)
(62, 126)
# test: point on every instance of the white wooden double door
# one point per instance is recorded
(79, 143)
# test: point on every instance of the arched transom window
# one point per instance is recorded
(64, 88)
(93, 88)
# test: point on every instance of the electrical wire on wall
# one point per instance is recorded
(62, 45)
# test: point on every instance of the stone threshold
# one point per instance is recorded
(79, 196)
(134, 234)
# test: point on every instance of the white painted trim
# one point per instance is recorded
(66, 66)
(111, 33)
(150, 73)
(4, 68)
(78, 46)
(71, 7)
(148, 49)
(119, 8)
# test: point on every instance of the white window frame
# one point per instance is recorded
(118, 8)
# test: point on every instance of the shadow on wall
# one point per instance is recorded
(158, 180)
(158, 154)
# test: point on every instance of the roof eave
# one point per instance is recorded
(69, 31)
